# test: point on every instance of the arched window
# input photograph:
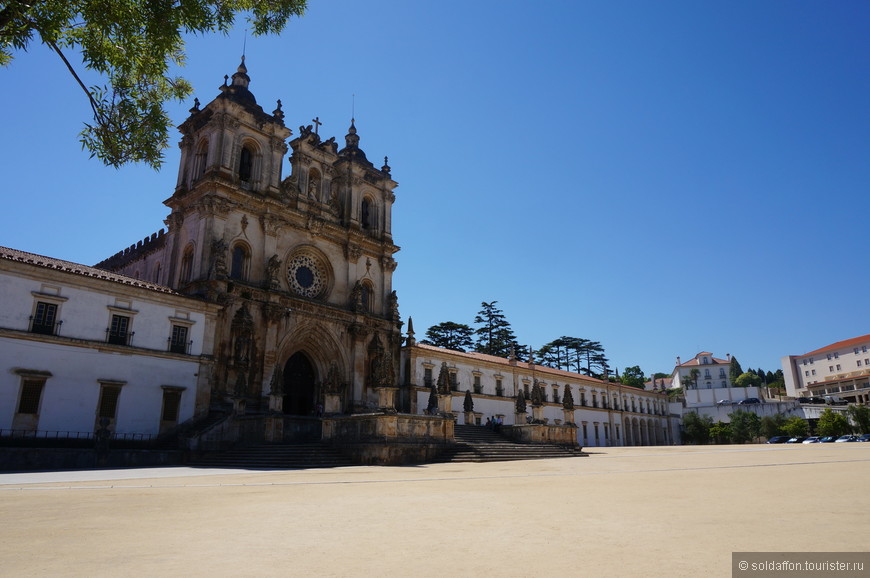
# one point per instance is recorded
(200, 160)
(186, 264)
(246, 164)
(239, 265)
(367, 215)
(367, 297)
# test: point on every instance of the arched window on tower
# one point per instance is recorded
(246, 164)
(200, 160)
(367, 296)
(186, 264)
(239, 266)
(367, 215)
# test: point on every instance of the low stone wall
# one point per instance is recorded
(562, 435)
(389, 439)
(31, 459)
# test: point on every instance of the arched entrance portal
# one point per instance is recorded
(299, 380)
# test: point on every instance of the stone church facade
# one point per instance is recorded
(302, 265)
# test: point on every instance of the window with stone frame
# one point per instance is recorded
(239, 262)
(246, 164)
(31, 395)
(118, 332)
(186, 272)
(454, 380)
(171, 404)
(178, 340)
(108, 404)
(499, 389)
(44, 318)
(478, 388)
(427, 376)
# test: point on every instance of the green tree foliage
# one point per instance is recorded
(696, 428)
(450, 335)
(660, 375)
(131, 44)
(633, 376)
(748, 380)
(771, 425)
(860, 416)
(795, 427)
(694, 375)
(734, 369)
(494, 334)
(745, 426)
(721, 433)
(574, 354)
(832, 423)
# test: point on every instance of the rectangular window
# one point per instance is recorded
(836, 356)
(499, 390)
(859, 363)
(829, 357)
(807, 373)
(838, 367)
(830, 368)
(454, 382)
(171, 403)
(863, 349)
(814, 372)
(44, 318)
(856, 351)
(31, 393)
(427, 376)
(118, 332)
(108, 407)
(178, 341)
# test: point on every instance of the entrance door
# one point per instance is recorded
(298, 385)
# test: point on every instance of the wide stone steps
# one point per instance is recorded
(277, 456)
(480, 444)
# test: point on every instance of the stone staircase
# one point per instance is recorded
(480, 444)
(276, 457)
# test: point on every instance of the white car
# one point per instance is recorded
(812, 440)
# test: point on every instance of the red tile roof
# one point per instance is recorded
(845, 344)
(78, 269)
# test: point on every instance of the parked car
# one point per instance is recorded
(804, 400)
(847, 438)
(864, 438)
(748, 400)
(817, 399)
(778, 440)
(796, 440)
(835, 400)
(828, 439)
(812, 440)
(724, 402)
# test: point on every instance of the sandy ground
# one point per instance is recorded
(659, 511)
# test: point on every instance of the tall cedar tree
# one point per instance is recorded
(495, 335)
(450, 335)
(734, 369)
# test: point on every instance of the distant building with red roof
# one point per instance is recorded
(841, 369)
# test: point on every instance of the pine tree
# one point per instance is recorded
(734, 370)
(494, 335)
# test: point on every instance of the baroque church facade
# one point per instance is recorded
(302, 265)
(268, 299)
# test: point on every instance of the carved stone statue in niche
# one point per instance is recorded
(276, 386)
(272, 272)
(242, 332)
(356, 298)
(313, 186)
(219, 258)
(381, 364)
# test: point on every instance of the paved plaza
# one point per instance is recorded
(653, 511)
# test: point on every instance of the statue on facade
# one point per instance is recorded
(276, 385)
(272, 271)
(313, 187)
(333, 384)
(432, 405)
(219, 258)
(356, 298)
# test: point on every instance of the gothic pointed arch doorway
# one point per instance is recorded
(299, 385)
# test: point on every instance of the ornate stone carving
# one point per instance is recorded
(356, 298)
(314, 225)
(393, 307)
(219, 258)
(352, 252)
(520, 404)
(568, 398)
(271, 224)
(274, 312)
(273, 267)
(334, 383)
(388, 263)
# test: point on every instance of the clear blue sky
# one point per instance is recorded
(663, 177)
